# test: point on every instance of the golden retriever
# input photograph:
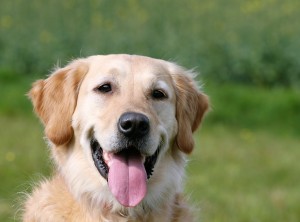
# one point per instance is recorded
(119, 128)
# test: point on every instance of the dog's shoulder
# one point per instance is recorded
(52, 201)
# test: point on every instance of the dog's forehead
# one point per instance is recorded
(128, 66)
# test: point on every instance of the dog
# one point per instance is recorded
(119, 129)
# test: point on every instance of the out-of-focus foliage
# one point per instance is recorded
(254, 42)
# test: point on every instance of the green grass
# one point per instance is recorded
(13, 90)
(245, 175)
(241, 106)
(23, 156)
(244, 168)
(252, 42)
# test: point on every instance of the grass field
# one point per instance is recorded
(245, 166)
(245, 175)
(254, 42)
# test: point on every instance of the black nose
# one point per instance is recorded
(133, 124)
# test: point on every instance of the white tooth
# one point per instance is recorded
(107, 158)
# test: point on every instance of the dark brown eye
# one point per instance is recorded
(105, 88)
(159, 94)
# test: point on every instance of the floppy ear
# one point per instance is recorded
(191, 105)
(54, 100)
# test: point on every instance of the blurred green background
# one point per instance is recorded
(245, 166)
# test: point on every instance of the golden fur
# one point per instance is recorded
(71, 110)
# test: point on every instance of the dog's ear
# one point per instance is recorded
(54, 100)
(191, 104)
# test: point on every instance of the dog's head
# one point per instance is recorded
(118, 124)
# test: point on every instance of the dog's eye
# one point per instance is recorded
(105, 88)
(159, 94)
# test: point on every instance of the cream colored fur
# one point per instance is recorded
(71, 109)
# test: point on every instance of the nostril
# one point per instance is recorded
(126, 125)
(144, 126)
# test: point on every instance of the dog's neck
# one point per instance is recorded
(174, 208)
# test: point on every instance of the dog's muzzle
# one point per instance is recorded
(128, 168)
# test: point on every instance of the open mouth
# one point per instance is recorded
(101, 165)
(126, 172)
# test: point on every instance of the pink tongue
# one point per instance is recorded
(127, 179)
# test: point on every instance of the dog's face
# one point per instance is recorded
(120, 125)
